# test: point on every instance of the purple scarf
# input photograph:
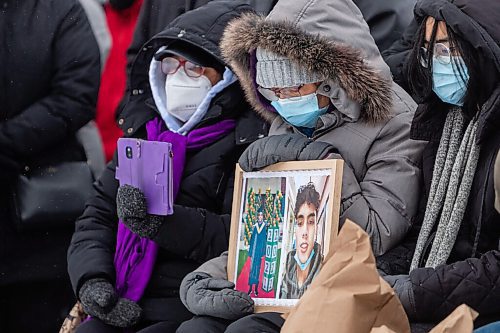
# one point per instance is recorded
(135, 256)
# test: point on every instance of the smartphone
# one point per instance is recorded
(147, 165)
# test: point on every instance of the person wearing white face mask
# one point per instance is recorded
(183, 81)
(194, 102)
(189, 76)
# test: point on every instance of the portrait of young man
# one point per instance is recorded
(303, 262)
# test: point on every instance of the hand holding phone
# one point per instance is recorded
(147, 165)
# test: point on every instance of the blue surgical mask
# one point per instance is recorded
(447, 82)
(302, 111)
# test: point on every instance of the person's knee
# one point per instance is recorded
(241, 325)
(247, 324)
(269, 322)
(203, 325)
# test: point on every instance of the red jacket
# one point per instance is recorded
(121, 24)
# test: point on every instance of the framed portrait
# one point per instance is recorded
(284, 220)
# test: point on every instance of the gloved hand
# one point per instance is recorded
(207, 296)
(99, 299)
(131, 208)
(404, 289)
(282, 148)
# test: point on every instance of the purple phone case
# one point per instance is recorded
(147, 165)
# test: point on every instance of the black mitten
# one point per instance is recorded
(132, 210)
(99, 299)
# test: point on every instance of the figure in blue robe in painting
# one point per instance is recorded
(256, 251)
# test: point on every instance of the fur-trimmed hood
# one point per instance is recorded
(328, 37)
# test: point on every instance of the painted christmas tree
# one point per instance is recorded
(274, 217)
(250, 215)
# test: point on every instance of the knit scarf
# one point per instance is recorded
(135, 256)
(454, 170)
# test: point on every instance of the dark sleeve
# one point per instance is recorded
(203, 235)
(197, 233)
(141, 33)
(72, 99)
(396, 55)
(92, 248)
(474, 281)
(387, 19)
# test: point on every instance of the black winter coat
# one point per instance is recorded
(472, 275)
(49, 79)
(199, 228)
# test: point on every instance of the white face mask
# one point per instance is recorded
(185, 94)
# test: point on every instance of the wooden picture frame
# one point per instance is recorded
(275, 267)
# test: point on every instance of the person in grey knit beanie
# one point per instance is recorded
(326, 93)
(274, 70)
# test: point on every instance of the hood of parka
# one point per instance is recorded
(203, 28)
(327, 37)
(478, 22)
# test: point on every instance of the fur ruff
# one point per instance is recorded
(334, 61)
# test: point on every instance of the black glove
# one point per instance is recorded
(207, 296)
(282, 148)
(404, 289)
(131, 208)
(99, 299)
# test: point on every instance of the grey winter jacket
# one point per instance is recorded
(370, 124)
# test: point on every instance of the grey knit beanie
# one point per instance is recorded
(276, 71)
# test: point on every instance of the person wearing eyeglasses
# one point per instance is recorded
(195, 103)
(454, 70)
(322, 85)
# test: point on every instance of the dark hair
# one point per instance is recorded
(420, 77)
(306, 194)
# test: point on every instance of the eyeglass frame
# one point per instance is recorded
(182, 63)
(437, 54)
(271, 94)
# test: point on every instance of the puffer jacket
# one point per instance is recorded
(370, 123)
(199, 228)
(49, 79)
(472, 275)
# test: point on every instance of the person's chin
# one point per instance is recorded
(304, 252)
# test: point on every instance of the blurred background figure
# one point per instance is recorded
(48, 90)
(94, 9)
(121, 18)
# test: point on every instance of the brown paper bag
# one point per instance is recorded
(459, 321)
(348, 295)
